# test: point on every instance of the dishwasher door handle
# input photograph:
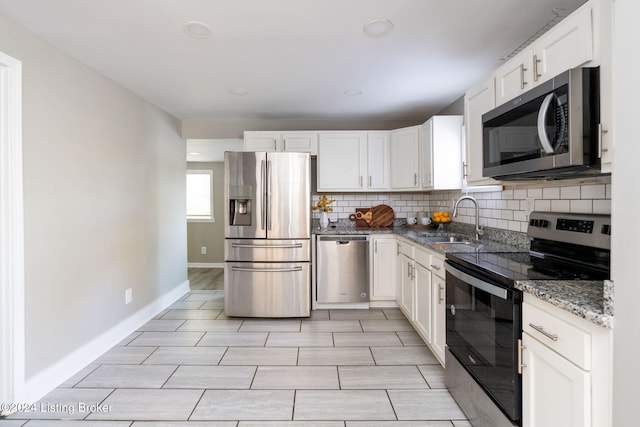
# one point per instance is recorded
(343, 242)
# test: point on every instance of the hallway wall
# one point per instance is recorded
(104, 184)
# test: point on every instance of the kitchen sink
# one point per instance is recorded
(454, 240)
(447, 243)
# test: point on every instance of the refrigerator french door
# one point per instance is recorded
(267, 230)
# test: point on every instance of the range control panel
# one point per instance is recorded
(578, 225)
(580, 229)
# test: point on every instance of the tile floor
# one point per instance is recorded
(193, 366)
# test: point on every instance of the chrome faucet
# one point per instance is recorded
(479, 230)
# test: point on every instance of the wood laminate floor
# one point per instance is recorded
(206, 279)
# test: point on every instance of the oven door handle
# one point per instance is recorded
(476, 283)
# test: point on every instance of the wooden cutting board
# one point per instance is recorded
(360, 222)
(382, 216)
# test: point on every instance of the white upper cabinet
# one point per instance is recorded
(515, 77)
(567, 45)
(441, 155)
(378, 173)
(353, 161)
(477, 101)
(342, 161)
(305, 142)
(405, 158)
(261, 141)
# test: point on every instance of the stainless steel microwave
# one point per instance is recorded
(551, 131)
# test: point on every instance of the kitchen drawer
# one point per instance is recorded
(421, 257)
(564, 338)
(263, 250)
(436, 265)
(405, 248)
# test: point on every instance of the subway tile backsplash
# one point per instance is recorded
(500, 209)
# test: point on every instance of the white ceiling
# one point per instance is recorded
(296, 58)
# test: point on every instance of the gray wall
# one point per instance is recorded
(456, 107)
(209, 234)
(104, 193)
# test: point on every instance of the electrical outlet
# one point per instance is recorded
(128, 296)
(203, 250)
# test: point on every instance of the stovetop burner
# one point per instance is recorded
(564, 247)
(508, 267)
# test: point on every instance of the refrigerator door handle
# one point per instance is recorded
(262, 188)
(286, 246)
(268, 194)
(268, 270)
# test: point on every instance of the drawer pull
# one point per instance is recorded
(435, 266)
(543, 332)
(272, 246)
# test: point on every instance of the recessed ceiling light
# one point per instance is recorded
(197, 30)
(194, 153)
(352, 92)
(378, 27)
(238, 91)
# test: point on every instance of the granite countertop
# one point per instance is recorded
(590, 300)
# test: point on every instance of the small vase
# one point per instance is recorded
(324, 219)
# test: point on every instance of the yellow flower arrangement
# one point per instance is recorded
(323, 204)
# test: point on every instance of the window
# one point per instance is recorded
(200, 195)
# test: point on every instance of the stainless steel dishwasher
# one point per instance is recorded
(342, 273)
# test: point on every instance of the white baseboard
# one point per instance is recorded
(205, 265)
(42, 383)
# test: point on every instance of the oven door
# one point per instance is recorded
(483, 328)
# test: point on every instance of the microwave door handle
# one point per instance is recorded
(542, 132)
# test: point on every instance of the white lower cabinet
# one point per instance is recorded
(423, 315)
(566, 368)
(555, 391)
(438, 316)
(421, 293)
(383, 268)
(404, 278)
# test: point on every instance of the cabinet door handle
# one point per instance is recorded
(375, 246)
(440, 294)
(369, 180)
(543, 332)
(360, 180)
(520, 364)
(284, 144)
(415, 179)
(464, 170)
(522, 82)
(536, 61)
(601, 133)
(409, 270)
(397, 248)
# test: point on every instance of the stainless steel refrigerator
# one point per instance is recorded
(267, 234)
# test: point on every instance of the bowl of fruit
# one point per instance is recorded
(441, 217)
